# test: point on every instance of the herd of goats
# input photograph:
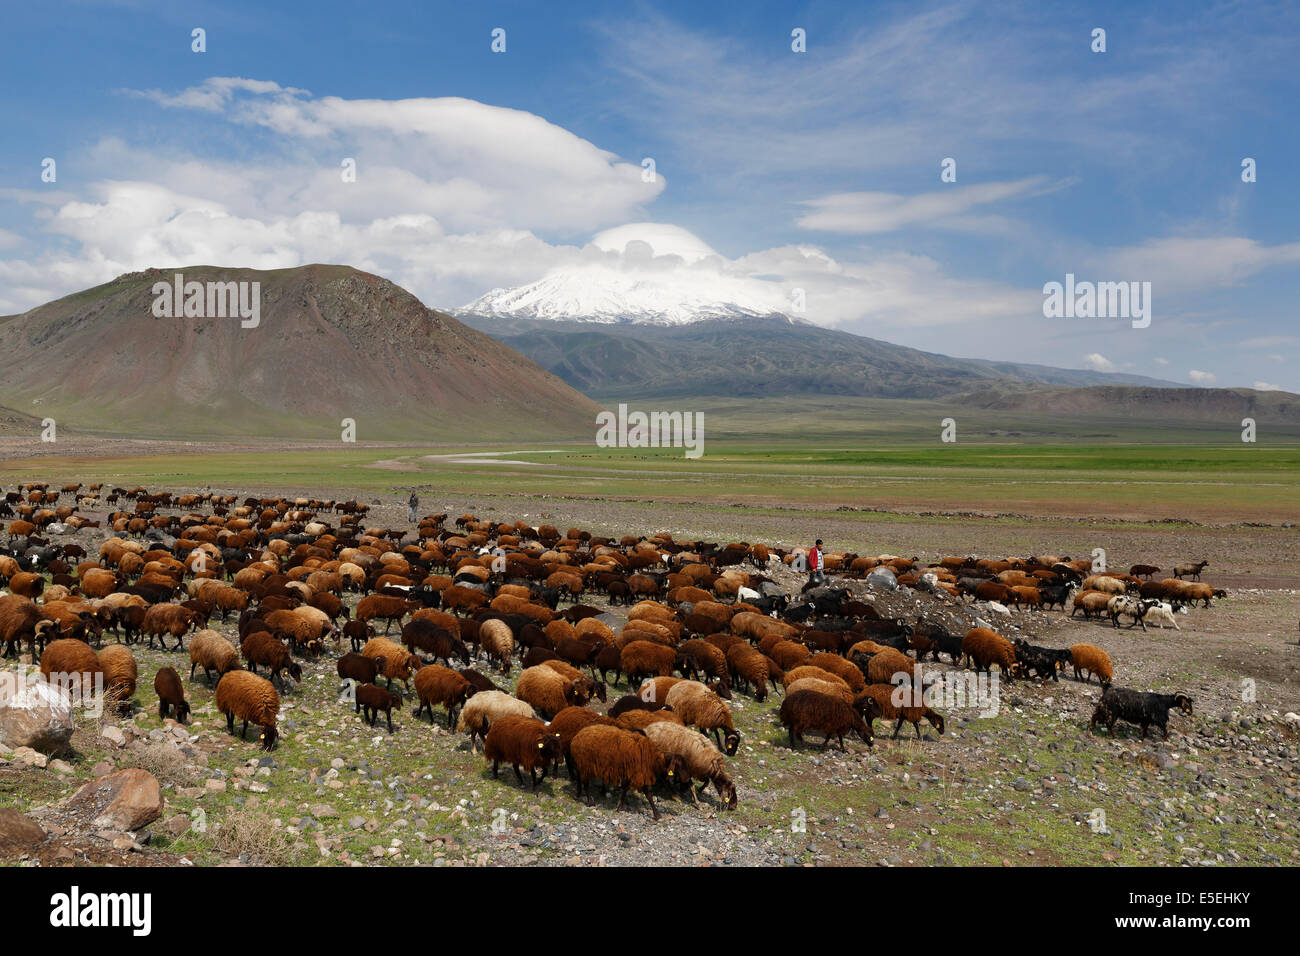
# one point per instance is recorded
(305, 578)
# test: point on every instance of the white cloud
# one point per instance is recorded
(1162, 362)
(1202, 378)
(1267, 387)
(871, 212)
(1175, 265)
(1099, 363)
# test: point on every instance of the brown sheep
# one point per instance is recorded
(849, 673)
(212, 652)
(749, 667)
(983, 648)
(700, 759)
(806, 710)
(384, 607)
(883, 695)
(271, 652)
(252, 699)
(522, 742)
(698, 706)
(617, 758)
(498, 643)
(1091, 658)
(487, 706)
(371, 698)
(568, 722)
(161, 620)
(120, 674)
(20, 620)
(883, 666)
(73, 666)
(548, 691)
(171, 694)
(439, 685)
(641, 659)
(399, 664)
(641, 719)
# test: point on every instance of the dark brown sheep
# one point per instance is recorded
(521, 742)
(806, 710)
(439, 685)
(617, 758)
(371, 699)
(171, 694)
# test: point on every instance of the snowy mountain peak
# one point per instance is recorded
(606, 294)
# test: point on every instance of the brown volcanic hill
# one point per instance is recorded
(1137, 403)
(332, 343)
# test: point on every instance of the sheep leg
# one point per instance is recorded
(897, 727)
(518, 776)
(230, 722)
(622, 797)
(654, 811)
(243, 732)
(389, 715)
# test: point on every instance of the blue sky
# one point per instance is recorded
(817, 170)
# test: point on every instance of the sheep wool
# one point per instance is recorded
(251, 699)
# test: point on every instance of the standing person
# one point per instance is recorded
(413, 503)
(816, 564)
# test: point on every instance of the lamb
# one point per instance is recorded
(268, 650)
(522, 742)
(487, 706)
(550, 692)
(398, 663)
(120, 673)
(498, 642)
(617, 758)
(171, 694)
(358, 632)
(808, 710)
(439, 685)
(984, 648)
(253, 700)
(700, 759)
(1162, 613)
(881, 697)
(212, 652)
(1137, 707)
(702, 708)
(371, 699)
(74, 666)
(1090, 657)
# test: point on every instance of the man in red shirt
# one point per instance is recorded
(816, 564)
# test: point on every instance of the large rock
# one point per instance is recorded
(34, 714)
(126, 800)
(18, 833)
(883, 579)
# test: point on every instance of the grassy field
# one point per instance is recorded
(1215, 483)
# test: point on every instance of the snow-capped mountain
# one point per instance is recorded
(596, 294)
(658, 274)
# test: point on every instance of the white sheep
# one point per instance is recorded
(1162, 614)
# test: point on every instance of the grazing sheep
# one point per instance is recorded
(641, 719)
(882, 697)
(550, 692)
(522, 742)
(640, 659)
(399, 664)
(212, 652)
(371, 699)
(1137, 707)
(120, 673)
(20, 619)
(476, 680)
(498, 642)
(750, 668)
(838, 689)
(983, 648)
(171, 694)
(358, 632)
(695, 704)
(271, 652)
(487, 706)
(700, 759)
(252, 699)
(385, 607)
(1091, 658)
(568, 722)
(617, 758)
(74, 666)
(161, 620)
(441, 645)
(1045, 662)
(357, 667)
(1091, 603)
(439, 685)
(808, 710)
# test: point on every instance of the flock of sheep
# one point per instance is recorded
(704, 622)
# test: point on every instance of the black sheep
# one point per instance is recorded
(1137, 707)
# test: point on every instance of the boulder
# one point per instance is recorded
(18, 833)
(34, 714)
(882, 578)
(126, 800)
